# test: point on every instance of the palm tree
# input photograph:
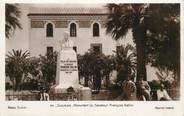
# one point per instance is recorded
(126, 61)
(147, 22)
(12, 19)
(130, 16)
(16, 66)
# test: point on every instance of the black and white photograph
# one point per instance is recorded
(92, 52)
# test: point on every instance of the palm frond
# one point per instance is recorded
(12, 19)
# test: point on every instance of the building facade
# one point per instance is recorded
(86, 27)
(43, 28)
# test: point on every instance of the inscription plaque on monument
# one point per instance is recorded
(68, 66)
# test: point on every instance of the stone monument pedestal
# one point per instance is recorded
(67, 71)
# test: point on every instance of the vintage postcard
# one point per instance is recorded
(121, 58)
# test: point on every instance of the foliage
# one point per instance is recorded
(94, 66)
(12, 19)
(124, 17)
(19, 67)
(16, 66)
(125, 61)
(32, 66)
(48, 67)
(30, 85)
(166, 77)
(165, 38)
(155, 29)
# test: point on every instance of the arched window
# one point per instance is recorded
(96, 30)
(49, 30)
(73, 30)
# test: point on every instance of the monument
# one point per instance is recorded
(67, 70)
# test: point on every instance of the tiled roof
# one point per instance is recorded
(57, 10)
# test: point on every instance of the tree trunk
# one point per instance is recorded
(139, 37)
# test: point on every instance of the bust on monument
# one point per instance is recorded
(66, 43)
